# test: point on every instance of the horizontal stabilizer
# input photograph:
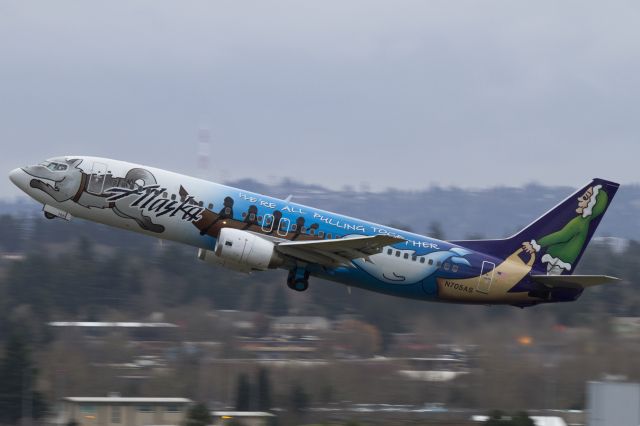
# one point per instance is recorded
(573, 281)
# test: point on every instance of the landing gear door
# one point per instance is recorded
(97, 178)
(486, 277)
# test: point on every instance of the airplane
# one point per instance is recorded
(248, 232)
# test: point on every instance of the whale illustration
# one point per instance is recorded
(386, 268)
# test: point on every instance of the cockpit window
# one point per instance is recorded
(55, 167)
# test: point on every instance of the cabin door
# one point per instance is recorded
(486, 277)
(97, 178)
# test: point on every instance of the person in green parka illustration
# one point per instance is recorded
(563, 247)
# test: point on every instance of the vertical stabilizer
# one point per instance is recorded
(559, 237)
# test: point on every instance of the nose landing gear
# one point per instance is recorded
(298, 279)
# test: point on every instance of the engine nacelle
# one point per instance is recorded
(242, 251)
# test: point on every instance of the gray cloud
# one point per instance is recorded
(400, 94)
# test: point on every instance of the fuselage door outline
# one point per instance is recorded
(283, 226)
(486, 277)
(97, 178)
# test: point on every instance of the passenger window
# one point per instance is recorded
(414, 257)
(430, 261)
(165, 195)
(438, 264)
(210, 206)
(390, 251)
(422, 260)
(303, 229)
(454, 268)
(398, 253)
(321, 234)
(312, 231)
(228, 243)
(294, 227)
(267, 225)
(328, 236)
(200, 203)
(406, 255)
(447, 265)
(173, 197)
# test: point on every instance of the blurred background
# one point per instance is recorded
(456, 120)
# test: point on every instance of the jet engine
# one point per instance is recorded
(242, 251)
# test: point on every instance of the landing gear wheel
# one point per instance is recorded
(298, 279)
(49, 215)
(301, 285)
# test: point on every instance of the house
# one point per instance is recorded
(121, 411)
(626, 326)
(299, 324)
(613, 403)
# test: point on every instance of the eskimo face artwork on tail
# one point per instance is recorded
(562, 248)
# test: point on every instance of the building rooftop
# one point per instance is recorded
(242, 414)
(120, 399)
(112, 324)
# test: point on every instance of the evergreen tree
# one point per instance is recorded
(299, 399)
(435, 231)
(280, 303)
(522, 419)
(12, 232)
(495, 419)
(199, 415)
(243, 393)
(264, 390)
(17, 377)
(257, 298)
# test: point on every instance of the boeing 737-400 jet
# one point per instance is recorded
(249, 232)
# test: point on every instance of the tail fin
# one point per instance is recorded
(559, 237)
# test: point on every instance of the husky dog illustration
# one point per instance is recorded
(63, 180)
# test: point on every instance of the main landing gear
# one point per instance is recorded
(298, 279)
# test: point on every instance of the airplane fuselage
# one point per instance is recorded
(193, 211)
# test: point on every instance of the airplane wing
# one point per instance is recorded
(573, 281)
(338, 252)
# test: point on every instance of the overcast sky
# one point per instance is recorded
(394, 93)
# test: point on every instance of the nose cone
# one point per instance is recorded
(18, 177)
